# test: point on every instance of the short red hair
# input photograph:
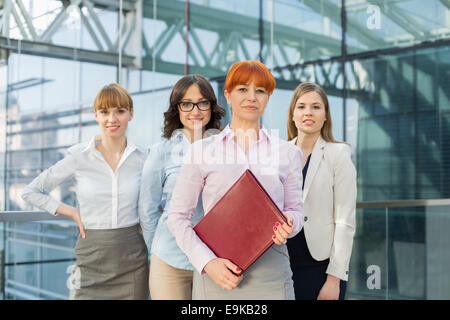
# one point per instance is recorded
(245, 72)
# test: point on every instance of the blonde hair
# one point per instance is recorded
(113, 95)
(327, 129)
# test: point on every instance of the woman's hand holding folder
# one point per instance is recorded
(283, 230)
(227, 275)
(224, 273)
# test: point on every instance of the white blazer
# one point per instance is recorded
(329, 204)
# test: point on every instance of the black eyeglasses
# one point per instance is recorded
(189, 106)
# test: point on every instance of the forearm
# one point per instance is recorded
(198, 253)
(66, 210)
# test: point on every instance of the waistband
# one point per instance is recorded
(111, 236)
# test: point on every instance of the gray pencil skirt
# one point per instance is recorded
(269, 278)
(111, 264)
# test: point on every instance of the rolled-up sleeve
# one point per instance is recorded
(293, 204)
(190, 183)
(37, 192)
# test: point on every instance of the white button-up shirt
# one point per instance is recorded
(107, 199)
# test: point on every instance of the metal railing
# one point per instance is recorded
(28, 216)
(381, 239)
(401, 203)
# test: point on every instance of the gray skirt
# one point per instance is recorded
(269, 278)
(111, 264)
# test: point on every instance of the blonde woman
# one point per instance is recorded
(320, 253)
(110, 253)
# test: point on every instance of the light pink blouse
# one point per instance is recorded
(211, 167)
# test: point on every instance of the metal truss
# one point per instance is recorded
(234, 37)
(230, 36)
(109, 45)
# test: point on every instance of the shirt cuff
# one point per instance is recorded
(297, 223)
(340, 273)
(202, 255)
(52, 205)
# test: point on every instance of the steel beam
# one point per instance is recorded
(62, 52)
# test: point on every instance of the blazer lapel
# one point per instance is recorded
(314, 162)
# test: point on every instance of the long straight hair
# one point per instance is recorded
(327, 129)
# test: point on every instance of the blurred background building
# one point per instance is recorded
(384, 63)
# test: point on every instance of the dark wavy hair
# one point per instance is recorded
(172, 116)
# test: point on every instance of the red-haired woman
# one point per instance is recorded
(244, 144)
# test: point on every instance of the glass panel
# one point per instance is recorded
(382, 24)
(275, 115)
(368, 264)
(400, 148)
(302, 31)
(406, 245)
(2, 259)
(407, 262)
(210, 48)
(25, 80)
(3, 119)
(149, 116)
(37, 257)
(436, 259)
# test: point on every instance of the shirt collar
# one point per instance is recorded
(178, 136)
(228, 134)
(96, 139)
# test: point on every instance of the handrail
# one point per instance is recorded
(403, 203)
(27, 216)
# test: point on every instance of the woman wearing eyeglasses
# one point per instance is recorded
(213, 165)
(193, 109)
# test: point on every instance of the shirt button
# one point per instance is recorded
(305, 219)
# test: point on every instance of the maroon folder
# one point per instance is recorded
(240, 225)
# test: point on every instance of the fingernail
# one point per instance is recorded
(277, 224)
(282, 222)
(238, 269)
(274, 237)
(275, 228)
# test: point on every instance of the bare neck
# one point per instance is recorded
(306, 142)
(114, 146)
(243, 128)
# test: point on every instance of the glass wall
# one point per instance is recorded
(384, 64)
(401, 126)
(405, 263)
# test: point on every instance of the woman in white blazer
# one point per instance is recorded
(320, 253)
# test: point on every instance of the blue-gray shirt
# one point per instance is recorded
(159, 176)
